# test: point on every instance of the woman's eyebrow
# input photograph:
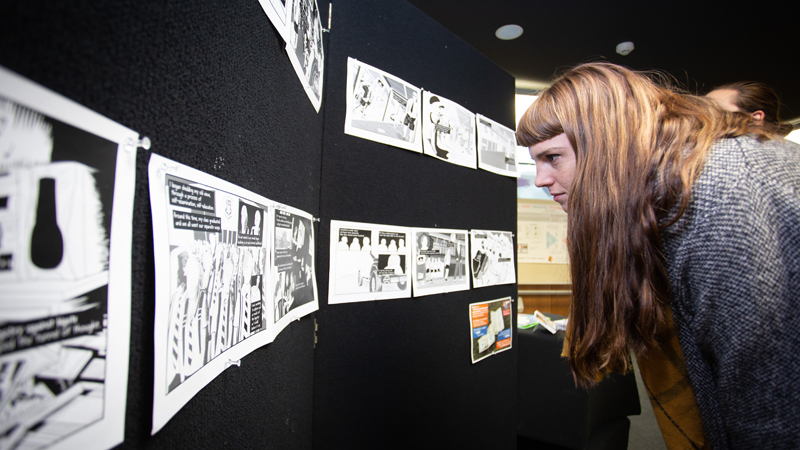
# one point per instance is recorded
(548, 150)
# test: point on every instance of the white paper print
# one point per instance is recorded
(212, 255)
(497, 147)
(293, 278)
(66, 174)
(490, 327)
(492, 258)
(304, 47)
(440, 261)
(448, 130)
(278, 13)
(382, 107)
(542, 234)
(368, 262)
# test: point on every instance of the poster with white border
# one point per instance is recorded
(490, 327)
(368, 262)
(497, 147)
(293, 274)
(304, 47)
(278, 13)
(212, 252)
(492, 261)
(66, 175)
(448, 131)
(542, 233)
(440, 261)
(382, 107)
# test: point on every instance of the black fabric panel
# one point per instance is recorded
(397, 373)
(210, 83)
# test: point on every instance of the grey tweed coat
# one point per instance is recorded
(734, 266)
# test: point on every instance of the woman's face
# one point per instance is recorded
(724, 98)
(555, 167)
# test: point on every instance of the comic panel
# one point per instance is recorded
(304, 47)
(65, 173)
(440, 261)
(368, 262)
(492, 258)
(294, 279)
(382, 107)
(497, 147)
(218, 259)
(212, 246)
(448, 131)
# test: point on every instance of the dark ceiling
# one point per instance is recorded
(702, 44)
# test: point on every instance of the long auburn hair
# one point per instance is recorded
(639, 147)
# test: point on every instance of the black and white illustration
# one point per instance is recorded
(304, 47)
(382, 107)
(492, 258)
(212, 253)
(294, 280)
(278, 13)
(440, 261)
(497, 147)
(66, 174)
(448, 131)
(490, 327)
(368, 262)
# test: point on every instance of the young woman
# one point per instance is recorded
(684, 226)
(753, 98)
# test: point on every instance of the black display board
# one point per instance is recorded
(398, 373)
(211, 85)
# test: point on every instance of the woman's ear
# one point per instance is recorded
(758, 117)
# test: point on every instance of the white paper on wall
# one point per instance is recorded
(233, 268)
(304, 47)
(382, 107)
(368, 262)
(66, 175)
(448, 131)
(293, 278)
(440, 261)
(492, 258)
(497, 147)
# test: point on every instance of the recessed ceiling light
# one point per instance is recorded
(625, 48)
(508, 32)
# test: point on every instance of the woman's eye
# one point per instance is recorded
(552, 158)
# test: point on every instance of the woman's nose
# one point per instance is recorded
(543, 177)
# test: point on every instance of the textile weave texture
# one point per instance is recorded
(734, 266)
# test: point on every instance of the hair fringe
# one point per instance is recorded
(640, 144)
